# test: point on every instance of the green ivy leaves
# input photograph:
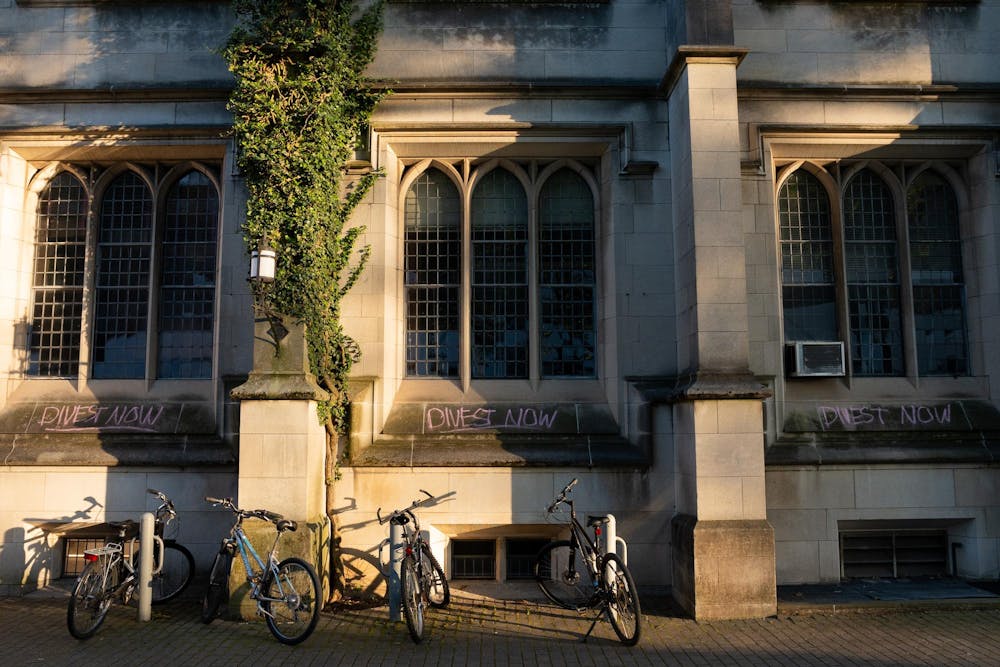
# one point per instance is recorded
(301, 100)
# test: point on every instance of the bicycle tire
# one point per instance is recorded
(293, 610)
(412, 598)
(175, 575)
(622, 598)
(218, 587)
(572, 588)
(436, 587)
(89, 602)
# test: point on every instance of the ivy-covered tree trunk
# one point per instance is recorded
(300, 103)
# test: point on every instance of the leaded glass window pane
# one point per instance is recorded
(567, 277)
(187, 279)
(807, 274)
(58, 278)
(432, 275)
(872, 265)
(499, 277)
(938, 281)
(122, 283)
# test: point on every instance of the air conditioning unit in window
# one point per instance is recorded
(814, 359)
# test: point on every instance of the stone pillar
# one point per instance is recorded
(282, 453)
(722, 545)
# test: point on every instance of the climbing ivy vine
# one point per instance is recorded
(300, 103)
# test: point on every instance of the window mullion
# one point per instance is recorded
(465, 299)
(910, 364)
(152, 305)
(88, 311)
(534, 328)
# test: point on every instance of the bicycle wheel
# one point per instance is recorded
(623, 600)
(412, 598)
(174, 576)
(291, 601)
(436, 588)
(563, 575)
(218, 587)
(89, 603)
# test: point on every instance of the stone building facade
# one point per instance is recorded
(734, 265)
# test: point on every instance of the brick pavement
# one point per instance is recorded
(478, 631)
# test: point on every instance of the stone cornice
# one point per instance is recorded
(700, 386)
(699, 54)
(180, 93)
(768, 90)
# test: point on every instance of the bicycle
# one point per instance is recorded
(421, 579)
(171, 578)
(106, 576)
(287, 593)
(575, 574)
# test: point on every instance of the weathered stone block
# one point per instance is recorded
(723, 569)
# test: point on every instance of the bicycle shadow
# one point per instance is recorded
(34, 553)
(363, 589)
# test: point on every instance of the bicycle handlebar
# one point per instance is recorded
(166, 512)
(228, 503)
(561, 498)
(414, 505)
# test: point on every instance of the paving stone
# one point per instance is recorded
(486, 631)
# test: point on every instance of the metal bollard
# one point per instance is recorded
(146, 566)
(612, 541)
(395, 560)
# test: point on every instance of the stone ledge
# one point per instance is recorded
(700, 387)
(872, 448)
(578, 451)
(94, 450)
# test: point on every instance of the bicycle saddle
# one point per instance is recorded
(594, 520)
(126, 528)
(286, 524)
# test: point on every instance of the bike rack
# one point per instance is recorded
(612, 542)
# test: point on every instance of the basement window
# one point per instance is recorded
(473, 559)
(521, 553)
(893, 553)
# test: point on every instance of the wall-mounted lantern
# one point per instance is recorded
(263, 263)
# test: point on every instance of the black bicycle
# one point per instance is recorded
(576, 574)
(287, 593)
(421, 579)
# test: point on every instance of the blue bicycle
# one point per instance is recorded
(287, 593)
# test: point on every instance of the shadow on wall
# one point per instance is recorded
(34, 553)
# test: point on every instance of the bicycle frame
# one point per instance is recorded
(579, 539)
(253, 563)
(111, 556)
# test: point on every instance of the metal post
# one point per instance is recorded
(610, 535)
(395, 559)
(146, 566)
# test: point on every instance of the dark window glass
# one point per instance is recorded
(521, 553)
(432, 275)
(499, 277)
(872, 265)
(187, 279)
(807, 275)
(124, 245)
(567, 277)
(938, 282)
(58, 277)
(473, 559)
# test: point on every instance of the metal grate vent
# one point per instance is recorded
(893, 553)
(473, 559)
